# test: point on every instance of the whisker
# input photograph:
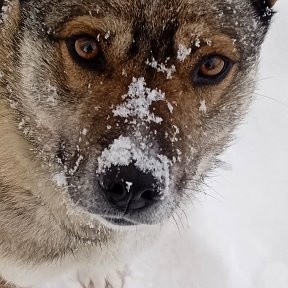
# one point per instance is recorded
(176, 225)
(266, 78)
(185, 215)
(272, 99)
(180, 219)
(218, 196)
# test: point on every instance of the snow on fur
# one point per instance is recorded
(123, 151)
(138, 101)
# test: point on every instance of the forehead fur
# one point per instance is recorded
(155, 11)
(149, 18)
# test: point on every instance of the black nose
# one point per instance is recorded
(127, 188)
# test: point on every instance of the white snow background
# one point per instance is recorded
(236, 236)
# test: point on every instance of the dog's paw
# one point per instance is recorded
(115, 279)
(88, 281)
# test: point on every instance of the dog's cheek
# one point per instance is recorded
(39, 100)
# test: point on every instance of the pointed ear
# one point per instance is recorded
(271, 3)
(265, 3)
(263, 9)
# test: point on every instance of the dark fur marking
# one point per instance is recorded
(163, 45)
(263, 10)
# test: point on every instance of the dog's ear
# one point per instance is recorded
(271, 3)
(263, 9)
(264, 3)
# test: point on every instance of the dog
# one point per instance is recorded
(112, 114)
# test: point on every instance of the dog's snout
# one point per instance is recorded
(127, 188)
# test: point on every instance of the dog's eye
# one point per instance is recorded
(87, 48)
(86, 52)
(212, 66)
(212, 70)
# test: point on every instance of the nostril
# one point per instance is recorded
(116, 194)
(114, 190)
(144, 199)
(150, 195)
(118, 191)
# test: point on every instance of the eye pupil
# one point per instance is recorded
(210, 64)
(87, 48)
(213, 66)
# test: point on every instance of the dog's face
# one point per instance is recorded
(128, 103)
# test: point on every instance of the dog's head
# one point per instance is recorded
(128, 103)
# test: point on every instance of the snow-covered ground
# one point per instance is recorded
(237, 235)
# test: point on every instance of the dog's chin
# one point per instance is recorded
(117, 223)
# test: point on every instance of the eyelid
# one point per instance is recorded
(199, 80)
(203, 58)
(96, 35)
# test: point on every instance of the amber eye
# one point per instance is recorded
(213, 66)
(87, 48)
(212, 70)
(86, 52)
